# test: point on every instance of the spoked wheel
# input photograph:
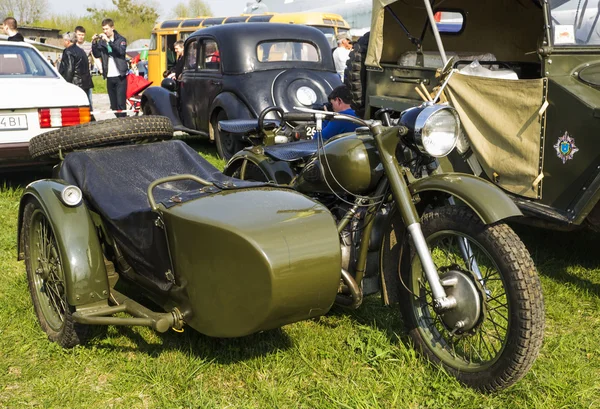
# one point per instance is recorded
(227, 143)
(491, 339)
(46, 280)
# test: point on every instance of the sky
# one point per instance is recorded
(218, 7)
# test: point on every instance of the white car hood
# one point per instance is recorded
(40, 93)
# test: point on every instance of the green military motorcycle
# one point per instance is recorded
(434, 242)
(230, 257)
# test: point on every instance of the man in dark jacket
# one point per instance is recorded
(111, 48)
(74, 66)
(10, 28)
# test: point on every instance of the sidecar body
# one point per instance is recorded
(227, 257)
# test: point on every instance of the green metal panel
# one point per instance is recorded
(253, 259)
(276, 171)
(489, 202)
(80, 250)
(574, 111)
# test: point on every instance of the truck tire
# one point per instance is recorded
(102, 133)
(355, 75)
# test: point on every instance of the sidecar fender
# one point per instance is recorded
(79, 247)
(489, 202)
(278, 172)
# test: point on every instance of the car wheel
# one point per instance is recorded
(227, 143)
(46, 280)
(102, 133)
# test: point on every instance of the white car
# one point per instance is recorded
(35, 99)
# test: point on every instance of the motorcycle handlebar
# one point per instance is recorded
(298, 117)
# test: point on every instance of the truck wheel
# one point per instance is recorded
(102, 133)
(227, 143)
(46, 280)
(355, 75)
(493, 335)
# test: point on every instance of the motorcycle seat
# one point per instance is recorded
(293, 151)
(244, 126)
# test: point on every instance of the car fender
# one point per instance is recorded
(80, 251)
(162, 102)
(278, 172)
(232, 105)
(487, 200)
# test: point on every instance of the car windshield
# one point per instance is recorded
(18, 62)
(275, 51)
(575, 23)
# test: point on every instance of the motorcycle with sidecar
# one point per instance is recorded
(231, 257)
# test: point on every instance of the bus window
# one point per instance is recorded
(329, 34)
(167, 47)
(152, 45)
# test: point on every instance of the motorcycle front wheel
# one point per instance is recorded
(492, 337)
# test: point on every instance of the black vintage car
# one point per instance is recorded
(235, 71)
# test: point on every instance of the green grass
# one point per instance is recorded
(99, 84)
(359, 359)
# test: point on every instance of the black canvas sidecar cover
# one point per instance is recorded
(114, 182)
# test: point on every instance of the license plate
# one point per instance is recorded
(310, 130)
(13, 122)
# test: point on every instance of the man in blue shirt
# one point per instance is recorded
(340, 99)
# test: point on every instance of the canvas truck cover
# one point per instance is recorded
(501, 118)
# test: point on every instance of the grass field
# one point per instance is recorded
(99, 84)
(358, 359)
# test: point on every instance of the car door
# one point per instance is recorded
(210, 80)
(187, 85)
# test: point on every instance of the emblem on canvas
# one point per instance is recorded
(565, 148)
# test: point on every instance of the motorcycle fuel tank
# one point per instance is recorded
(351, 163)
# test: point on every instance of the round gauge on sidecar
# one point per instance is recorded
(591, 75)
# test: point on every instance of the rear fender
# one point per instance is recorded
(278, 172)
(232, 105)
(79, 247)
(162, 102)
(489, 202)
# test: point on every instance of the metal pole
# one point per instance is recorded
(436, 32)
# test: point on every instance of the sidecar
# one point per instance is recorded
(226, 257)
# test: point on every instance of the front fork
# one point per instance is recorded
(387, 141)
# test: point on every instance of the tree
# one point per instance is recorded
(195, 8)
(132, 19)
(24, 11)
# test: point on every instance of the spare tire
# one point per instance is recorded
(102, 133)
(355, 75)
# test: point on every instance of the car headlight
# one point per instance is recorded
(435, 129)
(306, 96)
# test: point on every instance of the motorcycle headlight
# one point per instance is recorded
(435, 129)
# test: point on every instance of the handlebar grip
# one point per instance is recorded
(298, 117)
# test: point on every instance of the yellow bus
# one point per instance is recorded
(161, 56)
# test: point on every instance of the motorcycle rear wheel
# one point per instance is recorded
(506, 337)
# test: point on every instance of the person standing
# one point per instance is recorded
(111, 47)
(74, 65)
(10, 28)
(342, 53)
(80, 36)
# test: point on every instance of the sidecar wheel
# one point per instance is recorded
(46, 280)
(102, 133)
(504, 313)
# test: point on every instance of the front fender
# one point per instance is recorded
(487, 200)
(162, 102)
(80, 252)
(278, 172)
